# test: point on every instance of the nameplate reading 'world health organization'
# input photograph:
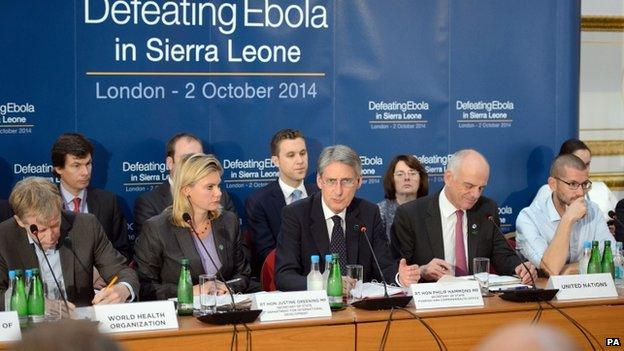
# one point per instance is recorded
(443, 295)
(140, 316)
(9, 326)
(583, 286)
(292, 305)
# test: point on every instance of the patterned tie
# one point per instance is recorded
(76, 202)
(295, 195)
(337, 243)
(460, 253)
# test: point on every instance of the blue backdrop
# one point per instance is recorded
(385, 77)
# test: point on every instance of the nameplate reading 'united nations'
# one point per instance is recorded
(140, 316)
(442, 295)
(9, 326)
(292, 305)
(584, 286)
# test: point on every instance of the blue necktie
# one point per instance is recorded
(295, 195)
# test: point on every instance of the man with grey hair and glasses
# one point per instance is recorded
(445, 231)
(551, 232)
(334, 221)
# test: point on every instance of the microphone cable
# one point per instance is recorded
(436, 337)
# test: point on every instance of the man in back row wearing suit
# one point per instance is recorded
(153, 202)
(36, 201)
(72, 162)
(264, 207)
(331, 221)
(443, 232)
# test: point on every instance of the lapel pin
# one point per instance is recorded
(221, 247)
(473, 228)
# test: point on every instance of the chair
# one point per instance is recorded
(267, 274)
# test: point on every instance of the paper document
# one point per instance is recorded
(369, 290)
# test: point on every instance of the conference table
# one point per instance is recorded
(351, 329)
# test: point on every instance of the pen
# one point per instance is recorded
(112, 282)
(233, 280)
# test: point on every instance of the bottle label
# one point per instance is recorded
(334, 300)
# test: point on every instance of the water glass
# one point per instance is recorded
(355, 276)
(481, 271)
(208, 293)
(55, 308)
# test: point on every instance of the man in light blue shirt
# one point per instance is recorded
(551, 231)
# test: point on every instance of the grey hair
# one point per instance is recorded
(458, 157)
(342, 154)
(566, 160)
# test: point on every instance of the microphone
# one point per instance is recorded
(67, 242)
(234, 316)
(614, 217)
(35, 232)
(380, 303)
(528, 295)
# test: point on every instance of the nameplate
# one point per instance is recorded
(443, 295)
(9, 326)
(291, 305)
(137, 316)
(583, 286)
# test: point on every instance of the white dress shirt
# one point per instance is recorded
(287, 190)
(448, 218)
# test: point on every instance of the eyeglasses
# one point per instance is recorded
(345, 182)
(401, 174)
(586, 185)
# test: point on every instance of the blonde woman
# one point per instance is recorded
(166, 239)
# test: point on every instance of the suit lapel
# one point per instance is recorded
(187, 246)
(474, 222)
(318, 226)
(93, 203)
(29, 258)
(67, 257)
(352, 235)
(278, 199)
(221, 243)
(434, 227)
(165, 192)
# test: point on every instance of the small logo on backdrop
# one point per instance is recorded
(408, 114)
(613, 342)
(15, 118)
(143, 176)
(372, 169)
(484, 113)
(248, 173)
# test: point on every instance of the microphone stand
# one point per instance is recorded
(234, 315)
(380, 303)
(35, 232)
(527, 295)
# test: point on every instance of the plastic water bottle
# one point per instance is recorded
(315, 278)
(584, 261)
(618, 263)
(9, 291)
(328, 261)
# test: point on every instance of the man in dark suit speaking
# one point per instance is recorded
(153, 202)
(443, 232)
(330, 222)
(37, 201)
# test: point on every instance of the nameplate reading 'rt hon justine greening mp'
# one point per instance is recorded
(583, 286)
(443, 295)
(291, 305)
(138, 316)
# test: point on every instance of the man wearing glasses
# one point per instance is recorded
(551, 232)
(334, 221)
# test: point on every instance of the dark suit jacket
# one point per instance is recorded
(304, 233)
(162, 245)
(264, 216)
(5, 210)
(417, 234)
(105, 206)
(88, 241)
(153, 202)
(619, 213)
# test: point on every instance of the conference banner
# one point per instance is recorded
(384, 77)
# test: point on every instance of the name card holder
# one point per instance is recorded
(444, 295)
(291, 305)
(9, 327)
(583, 286)
(137, 316)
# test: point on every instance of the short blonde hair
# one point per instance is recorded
(38, 197)
(190, 170)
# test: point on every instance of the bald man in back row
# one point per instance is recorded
(445, 231)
